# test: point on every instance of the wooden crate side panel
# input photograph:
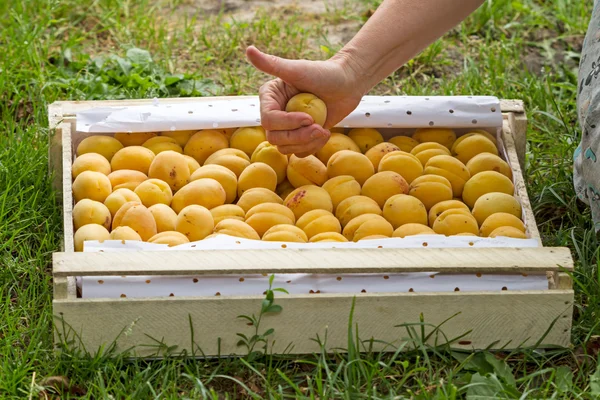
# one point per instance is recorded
(67, 187)
(328, 261)
(501, 319)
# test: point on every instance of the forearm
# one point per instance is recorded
(396, 33)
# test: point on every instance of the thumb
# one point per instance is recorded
(272, 65)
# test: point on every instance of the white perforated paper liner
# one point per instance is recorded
(392, 115)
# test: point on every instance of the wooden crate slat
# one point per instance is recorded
(523, 317)
(333, 261)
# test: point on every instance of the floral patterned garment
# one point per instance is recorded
(586, 168)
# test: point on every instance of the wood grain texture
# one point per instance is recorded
(55, 155)
(518, 127)
(334, 261)
(67, 187)
(494, 319)
(512, 106)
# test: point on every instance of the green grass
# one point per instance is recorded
(51, 50)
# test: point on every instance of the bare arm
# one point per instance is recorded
(395, 33)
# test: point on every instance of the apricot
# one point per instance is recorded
(328, 237)
(431, 189)
(266, 153)
(442, 206)
(159, 144)
(365, 138)
(489, 162)
(373, 237)
(89, 211)
(495, 202)
(376, 153)
(485, 133)
(126, 179)
(137, 217)
(284, 188)
(136, 158)
(134, 138)
(508, 231)
(118, 197)
(192, 164)
(181, 137)
(252, 197)
(266, 215)
(306, 171)
(227, 211)
(195, 222)
(257, 175)
(224, 176)
(469, 145)
(497, 220)
(237, 228)
(204, 143)
(228, 132)
(402, 209)
(444, 136)
(384, 185)
(307, 198)
(90, 162)
(248, 139)
(347, 162)
(106, 146)
(233, 159)
(318, 221)
(310, 104)
(336, 142)
(483, 183)
(412, 229)
(206, 192)
(170, 238)
(400, 162)
(154, 191)
(90, 232)
(354, 206)
(124, 233)
(404, 143)
(366, 225)
(91, 185)
(341, 187)
(455, 221)
(164, 216)
(451, 169)
(170, 167)
(285, 233)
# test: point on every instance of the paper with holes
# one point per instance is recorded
(372, 112)
(392, 115)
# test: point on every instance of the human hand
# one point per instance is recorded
(333, 81)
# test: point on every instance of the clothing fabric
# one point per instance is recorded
(586, 166)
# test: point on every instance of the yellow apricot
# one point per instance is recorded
(442, 206)
(341, 187)
(206, 192)
(170, 167)
(181, 137)
(124, 233)
(310, 104)
(306, 171)
(192, 164)
(384, 185)
(204, 143)
(489, 162)
(106, 146)
(133, 138)
(237, 228)
(328, 237)
(159, 144)
(227, 211)
(224, 176)
(252, 197)
(365, 225)
(90, 162)
(137, 158)
(472, 144)
(403, 209)
(170, 238)
(347, 162)
(455, 221)
(137, 217)
(497, 220)
(89, 211)
(264, 216)
(248, 139)
(284, 188)
(91, 185)
(354, 206)
(285, 233)
(412, 229)
(495, 202)
(451, 169)
(195, 222)
(271, 207)
(90, 232)
(164, 216)
(404, 143)
(365, 138)
(154, 191)
(377, 152)
(429, 191)
(444, 136)
(318, 221)
(126, 179)
(118, 197)
(336, 142)
(266, 153)
(233, 159)
(483, 183)
(400, 162)
(257, 175)
(508, 231)
(307, 198)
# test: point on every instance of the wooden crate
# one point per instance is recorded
(208, 325)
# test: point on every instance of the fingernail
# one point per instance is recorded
(306, 122)
(316, 134)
